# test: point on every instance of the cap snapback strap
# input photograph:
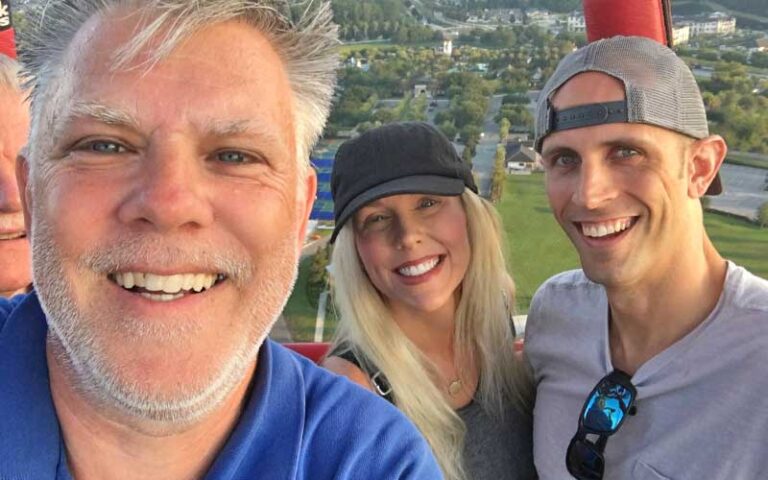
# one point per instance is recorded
(588, 115)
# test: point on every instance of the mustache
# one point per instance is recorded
(160, 252)
(12, 222)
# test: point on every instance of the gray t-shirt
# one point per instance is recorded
(497, 450)
(702, 408)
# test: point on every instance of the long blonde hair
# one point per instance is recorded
(483, 333)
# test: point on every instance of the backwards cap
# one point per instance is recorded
(659, 90)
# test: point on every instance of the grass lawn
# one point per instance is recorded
(739, 240)
(537, 247)
(348, 48)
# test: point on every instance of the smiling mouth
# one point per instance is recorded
(606, 229)
(12, 236)
(421, 268)
(165, 288)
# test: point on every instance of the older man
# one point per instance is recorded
(15, 272)
(649, 362)
(167, 188)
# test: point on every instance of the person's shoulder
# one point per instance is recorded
(568, 280)
(564, 285)
(746, 290)
(352, 433)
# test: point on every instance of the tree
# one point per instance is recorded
(317, 279)
(467, 155)
(762, 215)
(504, 129)
(448, 129)
(499, 176)
(470, 135)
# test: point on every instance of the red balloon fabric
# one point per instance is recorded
(7, 41)
(645, 18)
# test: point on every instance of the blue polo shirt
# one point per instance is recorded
(300, 422)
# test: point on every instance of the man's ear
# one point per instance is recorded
(705, 157)
(305, 204)
(22, 178)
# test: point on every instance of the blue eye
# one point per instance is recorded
(104, 146)
(626, 152)
(232, 156)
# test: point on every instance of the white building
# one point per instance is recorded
(717, 23)
(447, 47)
(576, 22)
(681, 34)
(538, 17)
(421, 89)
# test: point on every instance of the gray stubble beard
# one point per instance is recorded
(78, 348)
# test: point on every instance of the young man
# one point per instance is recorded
(623, 135)
(167, 188)
(15, 271)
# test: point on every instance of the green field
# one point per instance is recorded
(538, 249)
(739, 240)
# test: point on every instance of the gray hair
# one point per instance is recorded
(9, 73)
(302, 33)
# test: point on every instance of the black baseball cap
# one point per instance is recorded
(395, 159)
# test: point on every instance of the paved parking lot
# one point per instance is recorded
(745, 189)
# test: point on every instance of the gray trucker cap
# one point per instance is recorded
(659, 90)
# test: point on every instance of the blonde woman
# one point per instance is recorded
(425, 300)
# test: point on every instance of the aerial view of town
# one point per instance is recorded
(474, 69)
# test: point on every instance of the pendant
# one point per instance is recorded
(455, 387)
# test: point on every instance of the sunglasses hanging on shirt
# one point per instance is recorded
(602, 415)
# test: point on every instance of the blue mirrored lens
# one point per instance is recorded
(606, 407)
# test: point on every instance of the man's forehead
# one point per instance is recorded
(226, 57)
(588, 88)
(122, 40)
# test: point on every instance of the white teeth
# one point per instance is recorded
(166, 284)
(201, 281)
(420, 269)
(153, 283)
(161, 297)
(189, 280)
(173, 283)
(598, 230)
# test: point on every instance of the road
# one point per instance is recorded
(485, 152)
(744, 190)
